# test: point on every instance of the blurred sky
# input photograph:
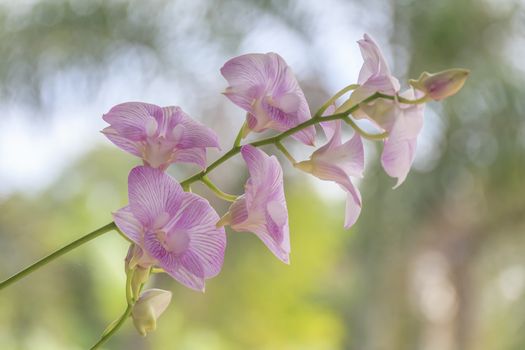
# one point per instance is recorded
(33, 153)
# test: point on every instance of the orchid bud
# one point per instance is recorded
(137, 257)
(151, 304)
(442, 84)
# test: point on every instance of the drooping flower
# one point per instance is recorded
(375, 76)
(174, 229)
(337, 161)
(441, 85)
(265, 87)
(262, 209)
(148, 308)
(403, 122)
(159, 135)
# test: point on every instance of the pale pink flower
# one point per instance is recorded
(159, 135)
(375, 76)
(265, 87)
(403, 122)
(175, 229)
(262, 209)
(441, 85)
(337, 161)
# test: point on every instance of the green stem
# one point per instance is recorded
(366, 135)
(227, 197)
(287, 154)
(58, 253)
(402, 99)
(334, 98)
(115, 326)
(240, 135)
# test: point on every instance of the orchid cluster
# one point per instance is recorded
(178, 232)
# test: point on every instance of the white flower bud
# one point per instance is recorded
(148, 308)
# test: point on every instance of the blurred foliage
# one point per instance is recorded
(435, 264)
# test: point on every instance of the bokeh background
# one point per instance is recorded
(437, 264)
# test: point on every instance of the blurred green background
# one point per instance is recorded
(438, 264)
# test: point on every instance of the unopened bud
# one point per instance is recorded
(137, 257)
(148, 308)
(442, 84)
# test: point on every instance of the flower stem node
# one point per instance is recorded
(148, 308)
(441, 85)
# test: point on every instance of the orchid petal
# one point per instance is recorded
(129, 224)
(152, 194)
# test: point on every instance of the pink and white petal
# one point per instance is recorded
(306, 136)
(266, 176)
(209, 246)
(330, 172)
(198, 219)
(191, 155)
(374, 61)
(353, 156)
(281, 251)
(195, 133)
(122, 142)
(277, 218)
(152, 193)
(130, 119)
(189, 271)
(256, 161)
(129, 224)
(330, 127)
(247, 71)
(348, 157)
(289, 102)
(383, 113)
(397, 157)
(238, 212)
(334, 129)
(240, 97)
(353, 206)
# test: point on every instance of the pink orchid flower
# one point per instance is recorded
(337, 161)
(159, 135)
(262, 209)
(265, 87)
(175, 229)
(403, 122)
(374, 76)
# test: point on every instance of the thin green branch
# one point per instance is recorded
(227, 197)
(240, 135)
(334, 98)
(58, 253)
(402, 99)
(287, 154)
(366, 135)
(115, 325)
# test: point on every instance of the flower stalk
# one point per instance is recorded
(58, 253)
